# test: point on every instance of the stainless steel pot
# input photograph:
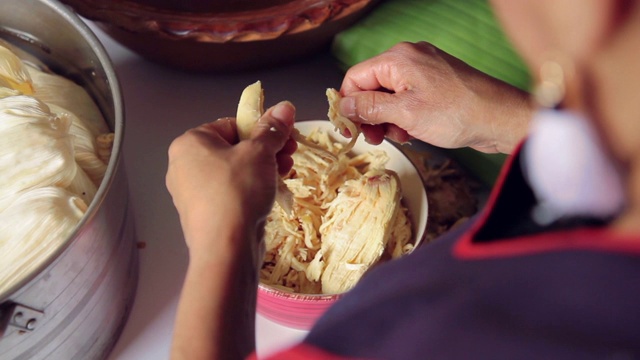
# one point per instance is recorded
(75, 305)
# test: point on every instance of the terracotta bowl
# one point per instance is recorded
(302, 310)
(201, 35)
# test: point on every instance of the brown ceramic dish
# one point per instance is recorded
(226, 35)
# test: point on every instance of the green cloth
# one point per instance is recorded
(466, 29)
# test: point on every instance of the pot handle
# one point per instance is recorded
(15, 317)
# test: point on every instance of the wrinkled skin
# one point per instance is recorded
(415, 90)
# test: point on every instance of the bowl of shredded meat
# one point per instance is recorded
(352, 210)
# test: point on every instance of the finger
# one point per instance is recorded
(285, 163)
(371, 74)
(224, 128)
(289, 147)
(284, 159)
(274, 127)
(358, 78)
(370, 107)
(397, 134)
(380, 72)
(373, 134)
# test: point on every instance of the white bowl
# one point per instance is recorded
(302, 310)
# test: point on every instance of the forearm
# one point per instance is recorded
(216, 313)
(223, 190)
(502, 115)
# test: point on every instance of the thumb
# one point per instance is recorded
(273, 129)
(369, 107)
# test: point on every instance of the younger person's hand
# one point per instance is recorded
(219, 184)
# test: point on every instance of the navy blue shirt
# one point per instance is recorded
(497, 287)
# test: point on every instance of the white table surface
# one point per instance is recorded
(160, 104)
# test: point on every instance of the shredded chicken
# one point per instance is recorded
(347, 215)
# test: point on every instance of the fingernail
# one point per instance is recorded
(283, 111)
(348, 106)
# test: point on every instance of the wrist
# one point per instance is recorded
(223, 243)
(503, 117)
(513, 121)
(219, 289)
(220, 238)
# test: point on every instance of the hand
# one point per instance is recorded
(219, 184)
(415, 90)
(223, 190)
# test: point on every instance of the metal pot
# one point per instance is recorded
(76, 303)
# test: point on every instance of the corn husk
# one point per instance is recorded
(51, 159)
(104, 145)
(36, 149)
(250, 109)
(57, 90)
(25, 57)
(84, 145)
(13, 72)
(6, 90)
(46, 218)
(82, 186)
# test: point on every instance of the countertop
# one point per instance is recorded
(160, 104)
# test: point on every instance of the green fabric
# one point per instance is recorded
(466, 29)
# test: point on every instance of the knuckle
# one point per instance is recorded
(372, 109)
(176, 146)
(367, 107)
(425, 46)
(182, 142)
(402, 46)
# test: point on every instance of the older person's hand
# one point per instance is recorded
(415, 90)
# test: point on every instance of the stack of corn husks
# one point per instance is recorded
(54, 150)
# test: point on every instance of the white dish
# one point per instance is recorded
(300, 311)
(413, 190)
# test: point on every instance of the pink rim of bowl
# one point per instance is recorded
(299, 311)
